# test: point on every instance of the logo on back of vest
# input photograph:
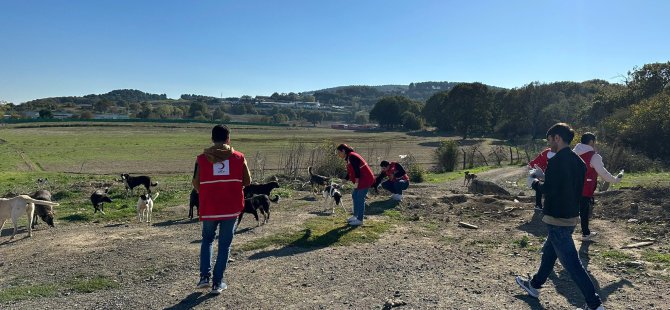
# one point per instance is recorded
(222, 168)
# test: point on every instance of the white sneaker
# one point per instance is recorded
(352, 218)
(393, 196)
(398, 197)
(525, 284)
(218, 289)
(590, 236)
(356, 222)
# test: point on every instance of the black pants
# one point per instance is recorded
(585, 204)
(538, 198)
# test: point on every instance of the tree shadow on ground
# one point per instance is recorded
(305, 244)
(535, 226)
(190, 301)
(566, 287)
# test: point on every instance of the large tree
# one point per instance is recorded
(389, 111)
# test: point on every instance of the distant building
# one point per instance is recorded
(110, 116)
(62, 115)
(30, 114)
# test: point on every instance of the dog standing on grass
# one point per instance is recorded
(145, 204)
(14, 207)
(468, 178)
(333, 197)
(317, 182)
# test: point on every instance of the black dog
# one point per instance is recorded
(257, 202)
(132, 182)
(318, 182)
(98, 198)
(260, 189)
(44, 212)
(194, 201)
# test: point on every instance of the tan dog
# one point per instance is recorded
(145, 205)
(14, 207)
(469, 177)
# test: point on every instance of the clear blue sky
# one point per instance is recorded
(76, 47)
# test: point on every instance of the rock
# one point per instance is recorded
(486, 188)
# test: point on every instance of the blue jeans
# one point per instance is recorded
(226, 231)
(559, 245)
(358, 196)
(395, 187)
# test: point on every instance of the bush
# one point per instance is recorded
(447, 155)
(415, 171)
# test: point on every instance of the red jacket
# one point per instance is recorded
(221, 195)
(591, 178)
(366, 176)
(390, 172)
(541, 160)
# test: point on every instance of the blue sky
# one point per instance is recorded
(72, 48)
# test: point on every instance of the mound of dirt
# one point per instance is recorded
(636, 205)
(486, 188)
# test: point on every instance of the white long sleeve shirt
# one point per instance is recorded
(596, 163)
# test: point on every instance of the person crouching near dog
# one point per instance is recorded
(397, 182)
(540, 162)
(359, 173)
(219, 177)
(562, 188)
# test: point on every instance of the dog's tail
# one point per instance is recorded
(276, 199)
(154, 184)
(40, 202)
(154, 199)
(309, 169)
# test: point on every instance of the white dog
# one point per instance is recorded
(14, 207)
(144, 207)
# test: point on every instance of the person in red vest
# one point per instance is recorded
(540, 162)
(594, 168)
(397, 179)
(219, 176)
(359, 173)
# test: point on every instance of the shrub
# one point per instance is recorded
(447, 155)
(414, 170)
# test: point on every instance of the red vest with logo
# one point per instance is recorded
(367, 178)
(541, 160)
(591, 178)
(390, 172)
(221, 195)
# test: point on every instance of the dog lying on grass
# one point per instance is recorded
(14, 207)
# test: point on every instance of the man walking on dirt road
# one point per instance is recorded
(562, 187)
(219, 176)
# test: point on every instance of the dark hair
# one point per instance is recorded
(220, 133)
(343, 147)
(384, 163)
(588, 137)
(563, 130)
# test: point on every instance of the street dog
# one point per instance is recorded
(468, 178)
(132, 182)
(46, 213)
(255, 203)
(14, 207)
(145, 205)
(98, 198)
(317, 182)
(333, 197)
(194, 201)
(260, 189)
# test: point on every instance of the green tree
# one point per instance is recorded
(388, 111)
(218, 114)
(46, 114)
(198, 108)
(468, 108)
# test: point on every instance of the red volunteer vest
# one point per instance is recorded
(541, 160)
(591, 178)
(221, 195)
(367, 178)
(390, 172)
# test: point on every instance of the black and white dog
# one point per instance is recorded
(145, 206)
(255, 203)
(98, 198)
(260, 189)
(317, 182)
(333, 196)
(132, 182)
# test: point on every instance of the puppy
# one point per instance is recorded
(98, 198)
(333, 197)
(469, 177)
(132, 182)
(46, 213)
(317, 182)
(14, 207)
(260, 189)
(194, 201)
(145, 204)
(257, 202)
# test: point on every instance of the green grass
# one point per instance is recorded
(644, 179)
(78, 284)
(655, 257)
(615, 256)
(522, 242)
(454, 175)
(28, 292)
(89, 285)
(323, 232)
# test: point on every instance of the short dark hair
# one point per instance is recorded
(588, 137)
(563, 130)
(343, 147)
(220, 133)
(384, 163)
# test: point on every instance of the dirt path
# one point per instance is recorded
(427, 262)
